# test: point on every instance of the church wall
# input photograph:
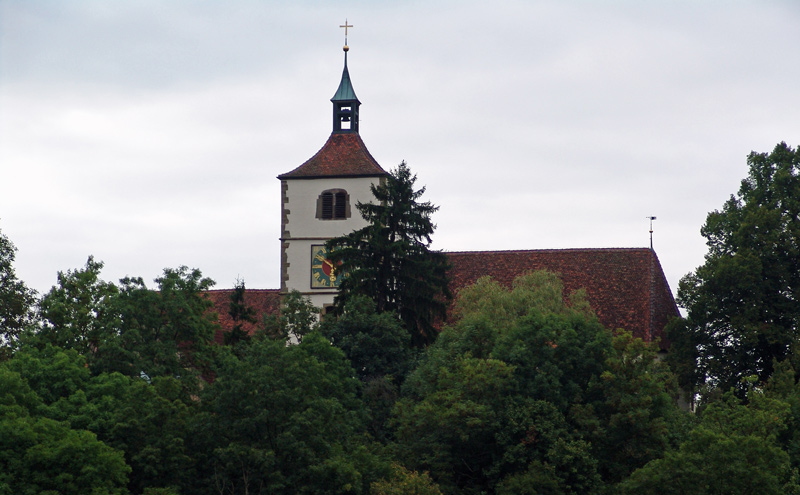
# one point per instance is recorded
(302, 205)
(301, 229)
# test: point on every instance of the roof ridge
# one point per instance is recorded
(246, 290)
(548, 250)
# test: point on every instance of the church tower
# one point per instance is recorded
(318, 199)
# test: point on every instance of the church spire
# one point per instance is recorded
(345, 102)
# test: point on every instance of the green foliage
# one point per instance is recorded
(55, 375)
(390, 259)
(538, 479)
(39, 455)
(146, 422)
(284, 419)
(783, 386)
(163, 332)
(42, 455)
(129, 328)
(16, 299)
(734, 449)
(149, 422)
(375, 343)
(631, 416)
(743, 303)
(77, 313)
(528, 393)
(405, 482)
(298, 317)
(240, 314)
(450, 431)
(378, 347)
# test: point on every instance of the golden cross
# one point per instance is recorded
(345, 27)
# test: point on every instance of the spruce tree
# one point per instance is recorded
(390, 260)
(240, 313)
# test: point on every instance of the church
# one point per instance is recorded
(626, 287)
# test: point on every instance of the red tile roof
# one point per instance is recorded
(263, 301)
(343, 155)
(625, 287)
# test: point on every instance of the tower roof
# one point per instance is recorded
(343, 155)
(345, 91)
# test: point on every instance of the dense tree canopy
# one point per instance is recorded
(527, 389)
(16, 299)
(128, 327)
(743, 303)
(735, 448)
(116, 388)
(390, 259)
(285, 419)
(77, 313)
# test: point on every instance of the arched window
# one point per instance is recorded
(333, 204)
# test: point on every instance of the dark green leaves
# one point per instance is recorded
(744, 302)
(390, 260)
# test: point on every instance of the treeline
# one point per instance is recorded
(119, 389)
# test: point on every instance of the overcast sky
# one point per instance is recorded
(150, 133)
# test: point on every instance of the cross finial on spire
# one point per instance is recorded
(345, 26)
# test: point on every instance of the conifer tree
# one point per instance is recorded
(390, 260)
(240, 313)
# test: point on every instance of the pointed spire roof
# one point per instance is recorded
(345, 91)
(344, 154)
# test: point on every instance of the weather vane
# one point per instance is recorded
(651, 231)
(345, 26)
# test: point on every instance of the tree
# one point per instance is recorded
(378, 347)
(164, 332)
(743, 303)
(16, 299)
(284, 420)
(405, 482)
(77, 313)
(527, 392)
(240, 314)
(390, 259)
(375, 343)
(298, 317)
(490, 398)
(145, 421)
(734, 449)
(41, 455)
(630, 416)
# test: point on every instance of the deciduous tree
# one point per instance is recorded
(77, 313)
(528, 389)
(41, 455)
(16, 299)
(734, 449)
(284, 420)
(163, 332)
(743, 303)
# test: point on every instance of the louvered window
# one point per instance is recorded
(333, 204)
(327, 205)
(340, 205)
